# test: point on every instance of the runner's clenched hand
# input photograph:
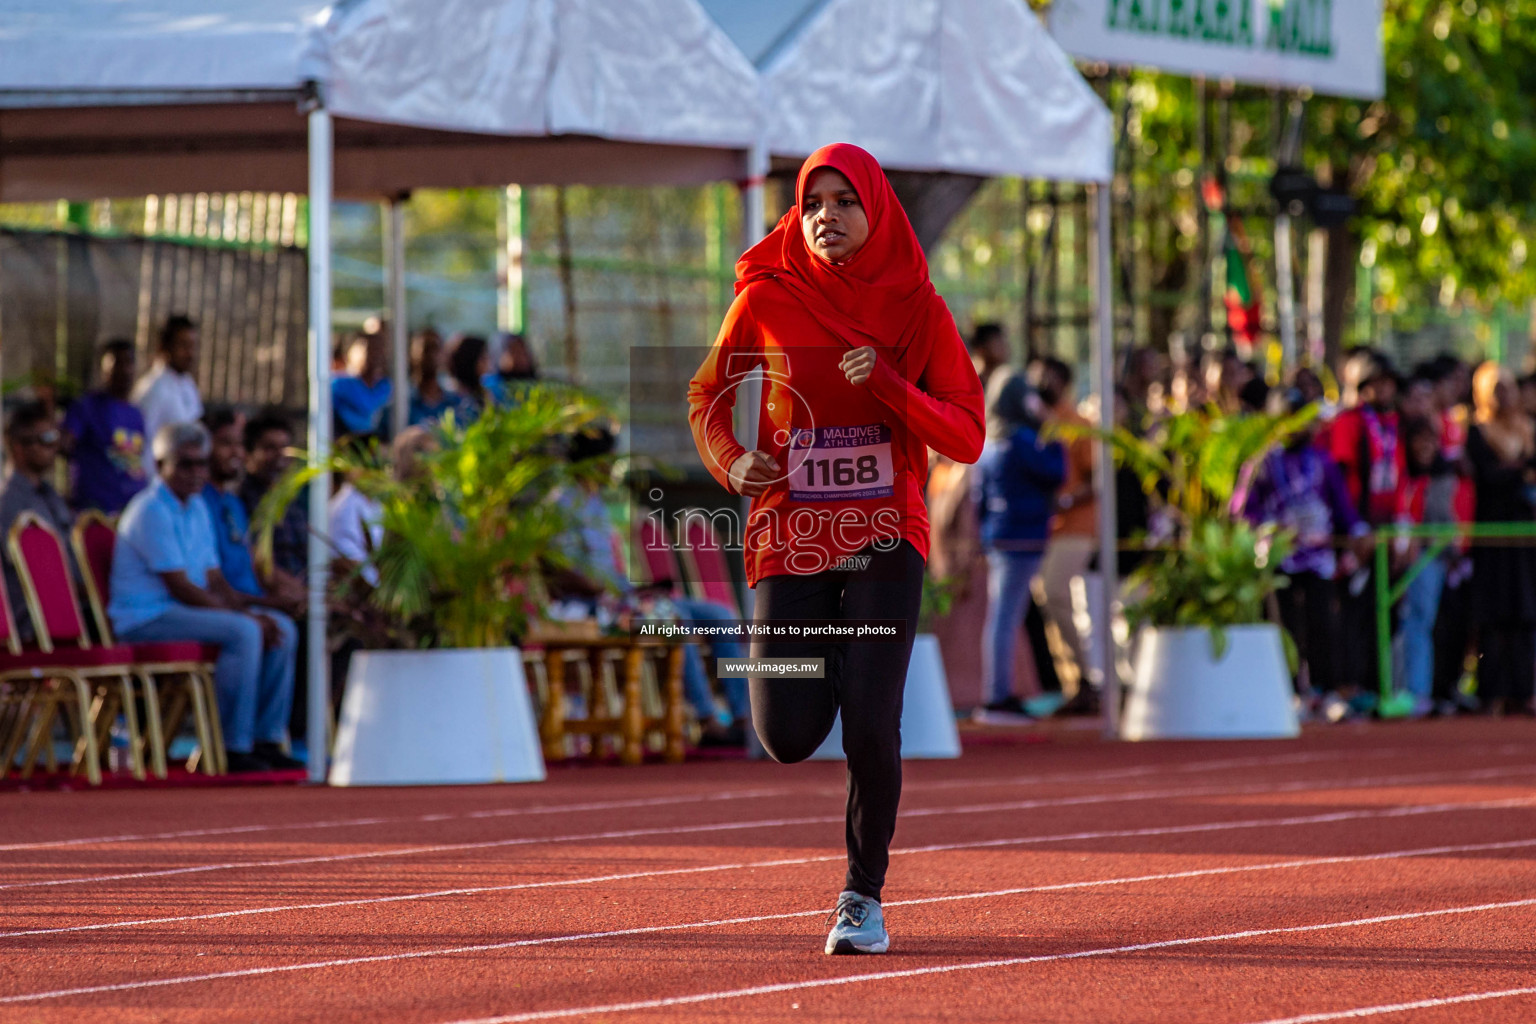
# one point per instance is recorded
(753, 472)
(858, 364)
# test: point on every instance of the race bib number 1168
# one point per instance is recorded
(840, 463)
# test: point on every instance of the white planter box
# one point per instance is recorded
(445, 717)
(1180, 691)
(928, 728)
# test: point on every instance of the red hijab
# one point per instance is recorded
(879, 296)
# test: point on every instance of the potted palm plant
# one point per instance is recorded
(439, 695)
(1208, 664)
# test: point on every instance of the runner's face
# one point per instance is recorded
(832, 217)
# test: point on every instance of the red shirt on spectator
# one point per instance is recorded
(1366, 445)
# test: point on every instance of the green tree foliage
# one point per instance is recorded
(1444, 163)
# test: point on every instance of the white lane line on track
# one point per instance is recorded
(1417, 1004)
(980, 844)
(653, 929)
(1099, 775)
(918, 972)
(511, 812)
(1017, 805)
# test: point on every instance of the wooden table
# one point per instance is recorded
(632, 723)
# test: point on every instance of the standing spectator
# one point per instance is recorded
(1431, 499)
(989, 351)
(515, 370)
(1310, 385)
(167, 585)
(1016, 481)
(1225, 377)
(1062, 583)
(360, 398)
(1528, 394)
(168, 393)
(430, 400)
(32, 441)
(1502, 447)
(1417, 401)
(468, 363)
(1144, 386)
(1364, 441)
(104, 436)
(1253, 397)
(268, 438)
(1300, 488)
(1453, 625)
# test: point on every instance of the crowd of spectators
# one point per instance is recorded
(1444, 443)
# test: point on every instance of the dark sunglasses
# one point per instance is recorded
(198, 463)
(46, 437)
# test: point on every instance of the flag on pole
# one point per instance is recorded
(1241, 296)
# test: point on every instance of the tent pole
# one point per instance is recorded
(1104, 465)
(752, 216)
(320, 157)
(399, 346)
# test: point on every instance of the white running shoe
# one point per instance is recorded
(858, 926)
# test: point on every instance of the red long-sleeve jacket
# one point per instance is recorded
(928, 397)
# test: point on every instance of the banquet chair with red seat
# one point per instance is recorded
(95, 683)
(704, 556)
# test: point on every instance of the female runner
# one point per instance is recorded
(864, 371)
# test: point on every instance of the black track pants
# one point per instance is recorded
(865, 679)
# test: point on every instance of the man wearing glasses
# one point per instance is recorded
(32, 441)
(166, 585)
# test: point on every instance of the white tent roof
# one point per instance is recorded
(968, 86)
(118, 98)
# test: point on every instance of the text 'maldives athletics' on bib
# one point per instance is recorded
(841, 463)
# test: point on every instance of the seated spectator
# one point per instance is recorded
(356, 527)
(430, 400)
(104, 436)
(596, 577)
(268, 438)
(355, 532)
(33, 444)
(515, 370)
(360, 398)
(167, 586)
(469, 361)
(232, 527)
(168, 393)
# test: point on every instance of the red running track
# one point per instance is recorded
(1362, 872)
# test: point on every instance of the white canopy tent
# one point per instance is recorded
(369, 98)
(975, 87)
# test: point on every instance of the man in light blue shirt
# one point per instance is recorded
(166, 585)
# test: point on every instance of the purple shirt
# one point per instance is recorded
(1302, 489)
(107, 464)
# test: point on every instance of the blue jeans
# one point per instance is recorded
(255, 685)
(1414, 646)
(1008, 577)
(695, 679)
